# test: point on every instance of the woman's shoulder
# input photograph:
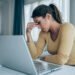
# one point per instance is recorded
(67, 26)
(68, 29)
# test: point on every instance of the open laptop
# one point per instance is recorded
(15, 55)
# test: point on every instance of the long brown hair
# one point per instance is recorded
(42, 10)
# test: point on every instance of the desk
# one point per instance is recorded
(6, 71)
(66, 70)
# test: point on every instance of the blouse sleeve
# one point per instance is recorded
(37, 49)
(66, 43)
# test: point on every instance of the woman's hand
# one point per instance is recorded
(30, 26)
(45, 58)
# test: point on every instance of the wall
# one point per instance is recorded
(72, 11)
(0, 15)
(0, 20)
(7, 9)
(30, 1)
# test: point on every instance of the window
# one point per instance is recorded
(63, 6)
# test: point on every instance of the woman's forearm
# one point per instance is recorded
(29, 38)
(57, 59)
(31, 46)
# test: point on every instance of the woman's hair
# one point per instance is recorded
(42, 10)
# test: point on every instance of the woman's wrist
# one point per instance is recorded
(28, 36)
(28, 31)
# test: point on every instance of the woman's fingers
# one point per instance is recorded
(30, 26)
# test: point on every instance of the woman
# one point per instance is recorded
(58, 36)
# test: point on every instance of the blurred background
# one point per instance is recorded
(15, 14)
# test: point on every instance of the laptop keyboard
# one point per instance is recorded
(45, 67)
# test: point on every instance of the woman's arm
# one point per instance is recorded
(66, 43)
(35, 50)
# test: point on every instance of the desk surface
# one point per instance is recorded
(66, 70)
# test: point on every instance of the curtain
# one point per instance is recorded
(18, 17)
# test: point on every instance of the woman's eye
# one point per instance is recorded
(38, 22)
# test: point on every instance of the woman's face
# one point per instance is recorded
(43, 22)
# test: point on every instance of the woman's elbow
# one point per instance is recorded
(62, 61)
(36, 55)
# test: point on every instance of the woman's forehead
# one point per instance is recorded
(37, 19)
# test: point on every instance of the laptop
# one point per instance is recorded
(14, 54)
